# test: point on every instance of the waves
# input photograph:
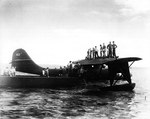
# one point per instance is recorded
(62, 104)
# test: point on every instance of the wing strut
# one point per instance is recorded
(122, 68)
(131, 64)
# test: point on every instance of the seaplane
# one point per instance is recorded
(105, 74)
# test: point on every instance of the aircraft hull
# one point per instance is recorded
(55, 83)
(38, 82)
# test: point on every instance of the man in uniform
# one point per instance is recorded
(47, 72)
(104, 50)
(114, 46)
(96, 52)
(109, 47)
(93, 53)
(69, 66)
(101, 50)
(43, 72)
(88, 52)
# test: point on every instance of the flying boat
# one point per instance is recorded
(101, 73)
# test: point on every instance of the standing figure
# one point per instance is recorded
(69, 66)
(13, 71)
(6, 72)
(101, 50)
(96, 52)
(43, 72)
(104, 50)
(114, 46)
(88, 54)
(47, 72)
(109, 47)
(93, 53)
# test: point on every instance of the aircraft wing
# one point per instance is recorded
(101, 61)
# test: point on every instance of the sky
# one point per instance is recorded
(57, 31)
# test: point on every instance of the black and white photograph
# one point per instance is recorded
(74, 59)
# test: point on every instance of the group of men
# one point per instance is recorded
(45, 72)
(9, 71)
(104, 51)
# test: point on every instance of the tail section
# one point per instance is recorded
(23, 63)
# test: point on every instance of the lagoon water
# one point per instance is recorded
(65, 104)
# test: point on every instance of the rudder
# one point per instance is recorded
(22, 61)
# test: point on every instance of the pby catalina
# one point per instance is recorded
(107, 71)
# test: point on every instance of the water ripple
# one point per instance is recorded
(62, 104)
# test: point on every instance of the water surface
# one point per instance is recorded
(62, 104)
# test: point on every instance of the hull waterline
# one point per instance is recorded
(38, 82)
(56, 83)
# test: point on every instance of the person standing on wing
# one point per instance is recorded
(114, 46)
(104, 50)
(101, 50)
(109, 47)
(93, 53)
(96, 52)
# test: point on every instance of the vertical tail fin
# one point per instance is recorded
(23, 63)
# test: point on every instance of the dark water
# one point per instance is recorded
(62, 104)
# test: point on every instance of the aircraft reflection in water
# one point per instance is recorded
(103, 73)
